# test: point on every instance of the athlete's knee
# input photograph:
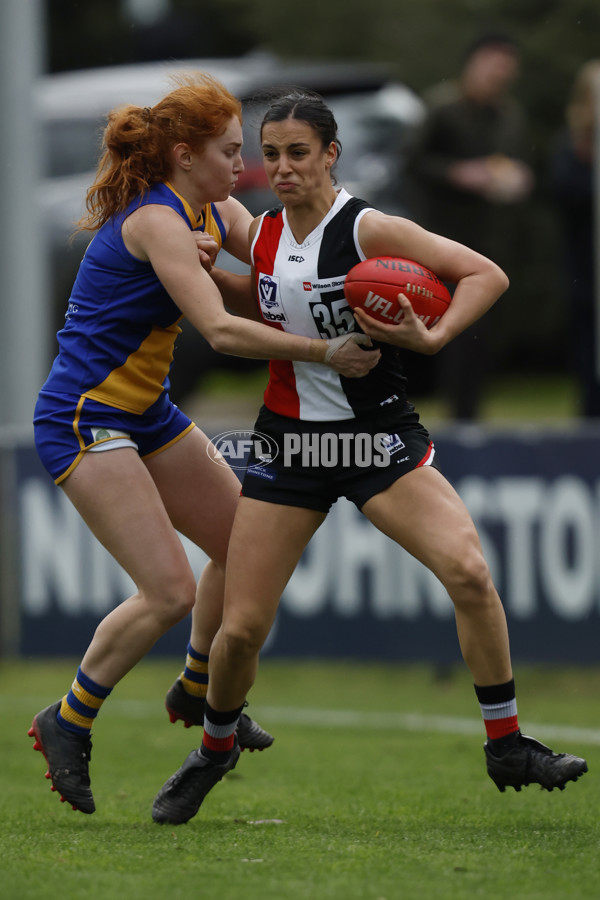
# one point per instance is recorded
(171, 598)
(244, 636)
(467, 578)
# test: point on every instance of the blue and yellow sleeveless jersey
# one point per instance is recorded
(116, 346)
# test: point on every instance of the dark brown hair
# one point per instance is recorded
(309, 107)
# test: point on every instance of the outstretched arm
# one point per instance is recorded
(159, 235)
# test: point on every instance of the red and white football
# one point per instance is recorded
(374, 285)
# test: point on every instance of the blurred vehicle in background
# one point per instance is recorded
(375, 114)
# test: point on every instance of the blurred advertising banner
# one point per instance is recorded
(534, 495)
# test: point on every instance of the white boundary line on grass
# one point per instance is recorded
(342, 718)
(350, 718)
(381, 721)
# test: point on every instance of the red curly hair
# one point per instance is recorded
(137, 142)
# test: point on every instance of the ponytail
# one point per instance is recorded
(137, 142)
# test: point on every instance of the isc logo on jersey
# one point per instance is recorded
(270, 299)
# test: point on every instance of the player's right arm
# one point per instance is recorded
(479, 281)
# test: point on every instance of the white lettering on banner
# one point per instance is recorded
(51, 549)
(519, 504)
(571, 524)
(541, 539)
(542, 523)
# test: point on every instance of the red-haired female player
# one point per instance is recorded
(133, 465)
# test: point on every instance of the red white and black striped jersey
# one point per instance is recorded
(300, 289)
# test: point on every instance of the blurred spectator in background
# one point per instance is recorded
(470, 179)
(572, 175)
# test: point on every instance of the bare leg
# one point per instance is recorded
(117, 498)
(440, 533)
(129, 506)
(201, 498)
(422, 513)
(207, 611)
(256, 577)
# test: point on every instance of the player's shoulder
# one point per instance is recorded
(354, 205)
(231, 211)
(273, 213)
(254, 225)
(376, 229)
(268, 225)
(152, 215)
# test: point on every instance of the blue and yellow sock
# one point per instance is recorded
(81, 705)
(194, 677)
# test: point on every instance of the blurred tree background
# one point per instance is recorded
(421, 43)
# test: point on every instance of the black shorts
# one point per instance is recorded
(312, 464)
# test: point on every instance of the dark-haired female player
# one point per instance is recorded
(300, 255)
(133, 465)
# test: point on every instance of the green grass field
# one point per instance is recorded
(375, 789)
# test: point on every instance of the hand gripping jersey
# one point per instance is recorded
(301, 289)
(116, 346)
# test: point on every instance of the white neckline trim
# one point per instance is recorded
(315, 235)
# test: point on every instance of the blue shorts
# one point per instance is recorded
(312, 464)
(66, 426)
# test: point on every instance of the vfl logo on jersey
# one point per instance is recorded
(269, 298)
(392, 443)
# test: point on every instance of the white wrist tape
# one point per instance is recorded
(334, 344)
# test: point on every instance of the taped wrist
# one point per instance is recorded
(334, 344)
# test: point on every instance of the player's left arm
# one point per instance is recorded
(479, 281)
(236, 220)
(237, 293)
(235, 289)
